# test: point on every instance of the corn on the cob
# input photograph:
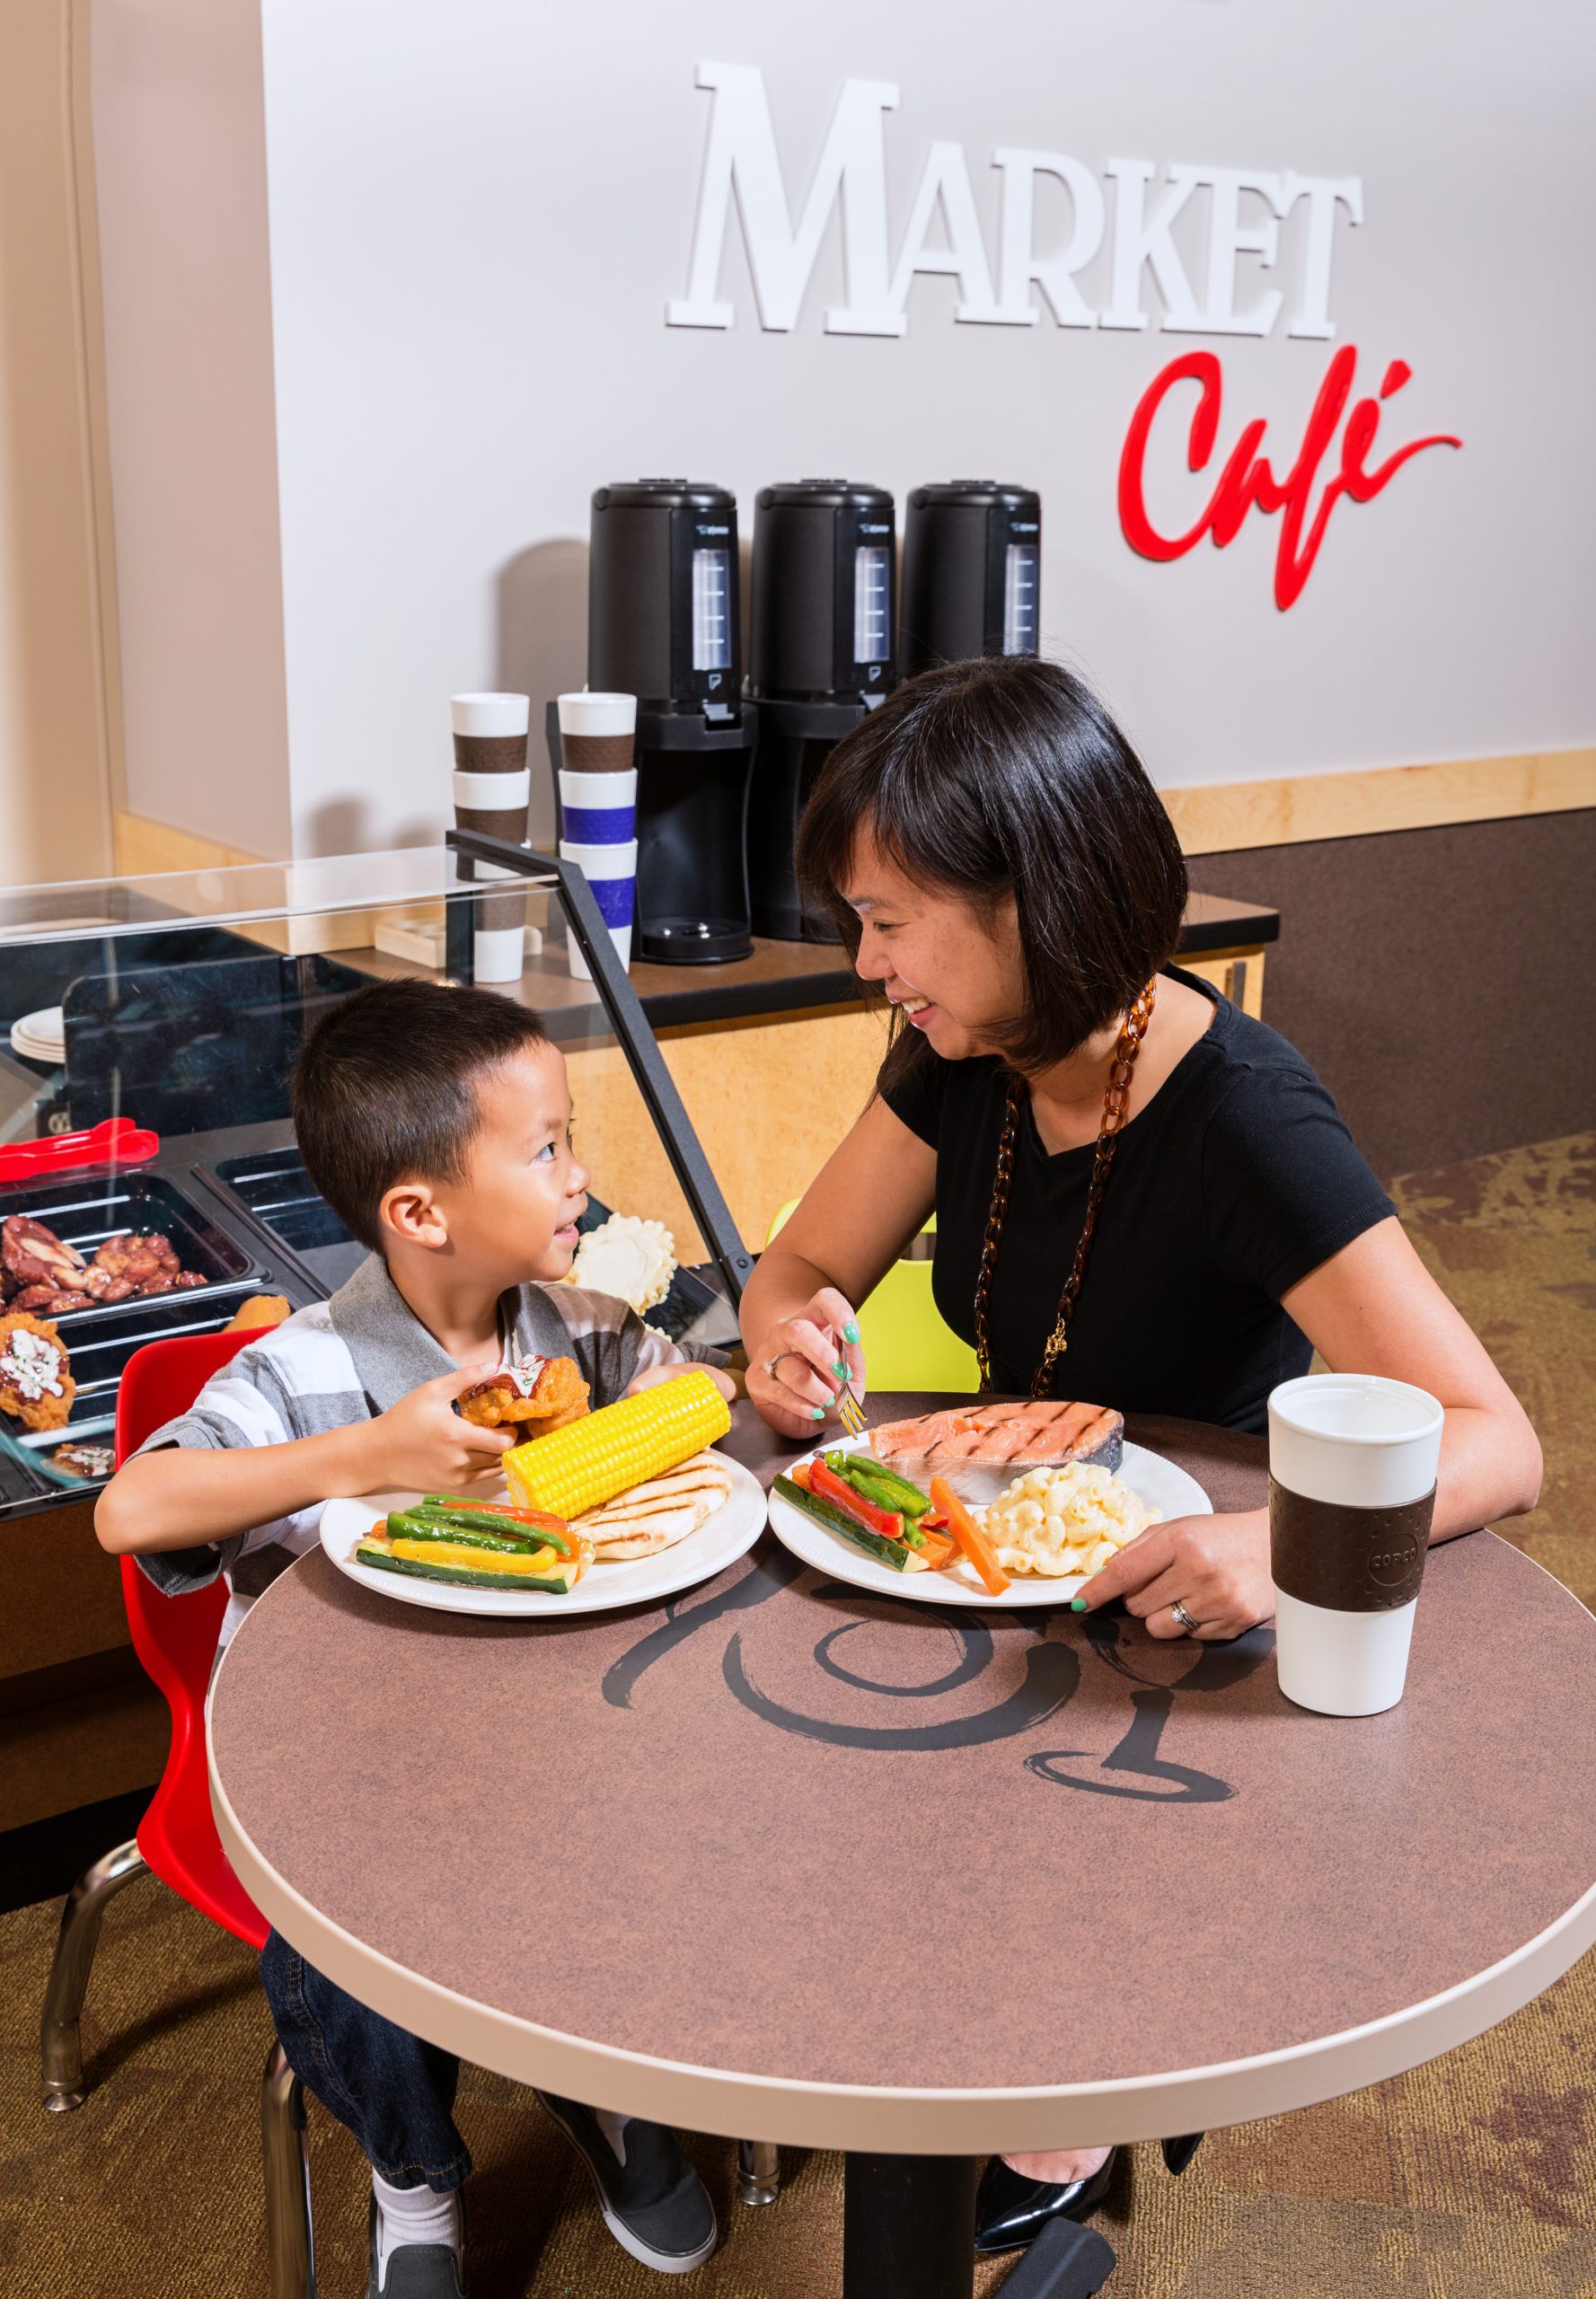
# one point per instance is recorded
(590, 1461)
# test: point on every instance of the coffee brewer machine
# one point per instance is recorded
(824, 576)
(663, 624)
(972, 573)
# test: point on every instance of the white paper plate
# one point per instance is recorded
(1154, 1480)
(719, 1541)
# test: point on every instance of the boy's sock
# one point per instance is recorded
(613, 2129)
(413, 2215)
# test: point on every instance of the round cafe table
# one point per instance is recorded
(856, 1873)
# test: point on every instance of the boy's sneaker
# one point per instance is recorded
(654, 2203)
(415, 2270)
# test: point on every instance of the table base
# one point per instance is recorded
(909, 2226)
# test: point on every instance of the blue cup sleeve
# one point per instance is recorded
(615, 899)
(599, 825)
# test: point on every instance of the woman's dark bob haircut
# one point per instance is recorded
(1005, 776)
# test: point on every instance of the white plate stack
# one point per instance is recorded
(40, 1037)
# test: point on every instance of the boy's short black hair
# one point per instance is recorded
(384, 1090)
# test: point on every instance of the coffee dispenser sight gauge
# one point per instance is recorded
(825, 582)
(972, 573)
(662, 623)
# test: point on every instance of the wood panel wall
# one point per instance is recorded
(1442, 982)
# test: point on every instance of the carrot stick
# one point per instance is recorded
(800, 1474)
(969, 1536)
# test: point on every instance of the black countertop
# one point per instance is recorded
(785, 978)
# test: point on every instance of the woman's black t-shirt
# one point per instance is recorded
(1235, 1181)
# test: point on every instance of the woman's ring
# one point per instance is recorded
(770, 1363)
(1185, 1618)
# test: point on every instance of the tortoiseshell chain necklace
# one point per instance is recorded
(1116, 1103)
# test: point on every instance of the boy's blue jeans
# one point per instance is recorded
(394, 2092)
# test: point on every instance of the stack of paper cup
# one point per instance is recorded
(598, 807)
(1352, 1459)
(492, 786)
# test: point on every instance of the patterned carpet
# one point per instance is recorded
(1474, 2178)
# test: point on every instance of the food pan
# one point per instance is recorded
(84, 1210)
(273, 1191)
(99, 1343)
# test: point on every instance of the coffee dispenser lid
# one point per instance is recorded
(665, 493)
(820, 493)
(970, 491)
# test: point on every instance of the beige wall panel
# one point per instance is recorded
(55, 814)
(1226, 815)
(769, 1102)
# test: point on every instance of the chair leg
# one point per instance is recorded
(290, 2248)
(759, 2171)
(59, 2045)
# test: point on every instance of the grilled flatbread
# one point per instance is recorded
(657, 1515)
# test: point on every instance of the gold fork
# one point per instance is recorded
(847, 1403)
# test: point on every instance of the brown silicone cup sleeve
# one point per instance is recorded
(597, 753)
(490, 753)
(1348, 1560)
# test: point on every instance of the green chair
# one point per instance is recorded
(907, 1342)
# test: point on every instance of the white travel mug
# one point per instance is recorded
(1352, 1460)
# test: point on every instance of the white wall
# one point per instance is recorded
(478, 213)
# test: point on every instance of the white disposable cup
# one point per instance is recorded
(601, 862)
(499, 952)
(490, 714)
(598, 714)
(1352, 1441)
(580, 789)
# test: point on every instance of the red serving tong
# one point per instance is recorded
(114, 1141)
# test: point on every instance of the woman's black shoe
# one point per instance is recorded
(1010, 2210)
(1179, 2152)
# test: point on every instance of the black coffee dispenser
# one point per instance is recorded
(825, 578)
(972, 573)
(663, 624)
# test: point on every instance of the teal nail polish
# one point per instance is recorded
(817, 1413)
(1078, 1604)
(840, 1370)
(850, 1331)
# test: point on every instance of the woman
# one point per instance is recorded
(1144, 1197)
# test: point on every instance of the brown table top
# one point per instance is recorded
(784, 1859)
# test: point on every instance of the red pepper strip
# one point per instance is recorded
(969, 1536)
(536, 1518)
(887, 1522)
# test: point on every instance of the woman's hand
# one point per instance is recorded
(651, 1377)
(797, 1366)
(1216, 1568)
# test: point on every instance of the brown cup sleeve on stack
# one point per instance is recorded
(596, 753)
(495, 754)
(1345, 1559)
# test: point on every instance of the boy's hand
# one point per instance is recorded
(422, 1443)
(658, 1373)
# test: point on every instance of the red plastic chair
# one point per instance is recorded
(175, 1638)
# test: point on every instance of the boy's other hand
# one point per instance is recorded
(654, 1374)
(422, 1443)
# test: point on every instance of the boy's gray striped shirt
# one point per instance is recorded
(349, 1359)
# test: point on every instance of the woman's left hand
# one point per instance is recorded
(1215, 1568)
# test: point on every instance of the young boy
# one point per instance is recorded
(437, 1122)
